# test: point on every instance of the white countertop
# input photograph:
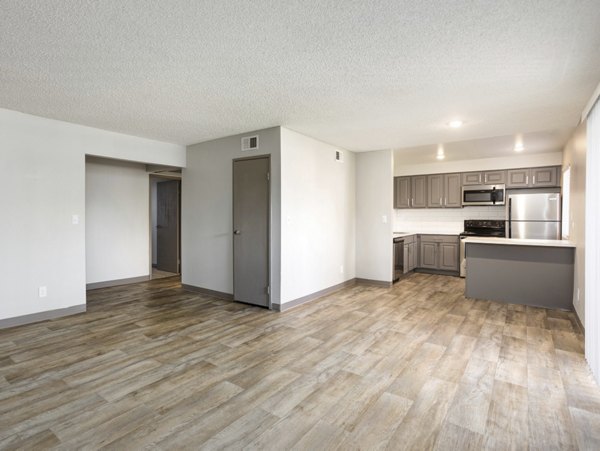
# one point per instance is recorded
(519, 242)
(403, 234)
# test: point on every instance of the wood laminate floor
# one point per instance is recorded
(416, 366)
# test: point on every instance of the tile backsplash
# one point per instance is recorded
(448, 220)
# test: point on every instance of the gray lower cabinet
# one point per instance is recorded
(439, 252)
(418, 191)
(449, 256)
(410, 254)
(401, 192)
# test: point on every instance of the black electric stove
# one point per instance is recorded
(484, 227)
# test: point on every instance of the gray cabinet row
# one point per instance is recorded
(516, 178)
(427, 191)
(431, 252)
(445, 190)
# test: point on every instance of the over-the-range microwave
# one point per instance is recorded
(483, 195)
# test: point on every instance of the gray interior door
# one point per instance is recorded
(251, 206)
(167, 225)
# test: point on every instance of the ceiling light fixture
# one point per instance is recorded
(519, 147)
(455, 123)
(440, 153)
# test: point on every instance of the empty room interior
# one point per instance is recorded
(300, 225)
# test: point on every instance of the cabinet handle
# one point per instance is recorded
(527, 180)
(534, 180)
(441, 201)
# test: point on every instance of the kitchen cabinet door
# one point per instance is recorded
(401, 192)
(542, 177)
(517, 178)
(428, 253)
(494, 177)
(452, 191)
(413, 256)
(472, 178)
(418, 191)
(435, 191)
(449, 256)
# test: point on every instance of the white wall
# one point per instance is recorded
(117, 220)
(318, 201)
(207, 219)
(592, 243)
(480, 164)
(574, 156)
(43, 180)
(374, 199)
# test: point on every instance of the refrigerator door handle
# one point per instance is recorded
(510, 217)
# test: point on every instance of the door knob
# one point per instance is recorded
(237, 232)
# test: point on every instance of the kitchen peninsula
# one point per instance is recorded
(521, 271)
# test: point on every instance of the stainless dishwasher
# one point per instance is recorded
(398, 258)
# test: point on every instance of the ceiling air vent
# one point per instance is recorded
(339, 156)
(249, 143)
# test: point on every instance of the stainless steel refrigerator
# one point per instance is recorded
(535, 216)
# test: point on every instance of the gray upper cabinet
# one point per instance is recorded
(401, 192)
(494, 177)
(517, 178)
(452, 191)
(483, 178)
(545, 176)
(472, 178)
(534, 177)
(435, 191)
(443, 190)
(418, 191)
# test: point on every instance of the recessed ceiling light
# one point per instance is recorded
(456, 123)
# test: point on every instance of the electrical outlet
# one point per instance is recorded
(42, 292)
(75, 219)
(384, 219)
(341, 269)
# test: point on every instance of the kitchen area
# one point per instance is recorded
(501, 230)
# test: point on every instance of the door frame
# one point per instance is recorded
(269, 215)
(164, 178)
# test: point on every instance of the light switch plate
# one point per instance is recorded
(75, 219)
(42, 292)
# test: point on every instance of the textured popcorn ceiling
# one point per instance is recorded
(362, 74)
